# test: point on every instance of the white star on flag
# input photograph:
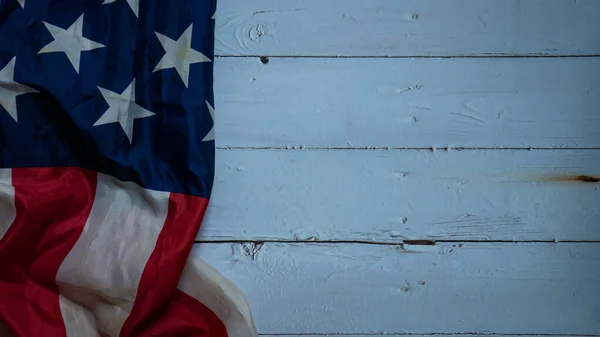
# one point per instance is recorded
(122, 109)
(70, 41)
(9, 89)
(211, 133)
(21, 2)
(134, 4)
(179, 54)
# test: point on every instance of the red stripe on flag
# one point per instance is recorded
(182, 315)
(52, 206)
(159, 306)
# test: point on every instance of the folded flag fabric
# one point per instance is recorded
(106, 168)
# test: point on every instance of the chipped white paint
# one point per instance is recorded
(459, 288)
(408, 28)
(530, 102)
(394, 195)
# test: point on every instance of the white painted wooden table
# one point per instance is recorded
(412, 167)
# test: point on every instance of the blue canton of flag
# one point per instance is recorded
(119, 87)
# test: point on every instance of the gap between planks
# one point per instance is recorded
(424, 334)
(480, 56)
(390, 148)
(387, 243)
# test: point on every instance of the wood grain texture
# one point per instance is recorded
(407, 28)
(455, 288)
(389, 196)
(357, 103)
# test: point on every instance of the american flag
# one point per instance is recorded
(106, 167)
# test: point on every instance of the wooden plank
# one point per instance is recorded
(390, 196)
(408, 27)
(456, 288)
(515, 103)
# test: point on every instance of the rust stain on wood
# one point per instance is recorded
(577, 178)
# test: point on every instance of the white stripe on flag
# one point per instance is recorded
(103, 270)
(7, 201)
(204, 283)
(81, 320)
